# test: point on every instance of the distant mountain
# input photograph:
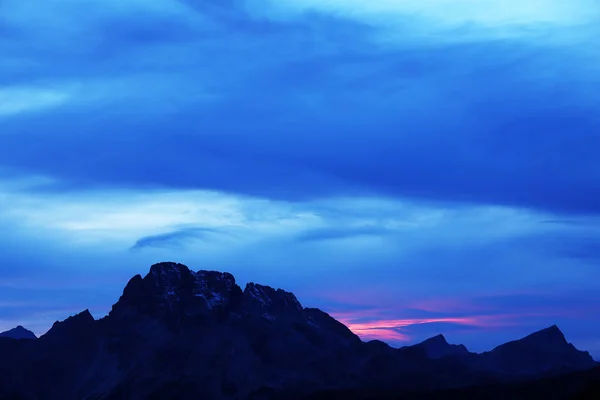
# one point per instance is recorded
(18, 333)
(180, 334)
(545, 351)
(438, 347)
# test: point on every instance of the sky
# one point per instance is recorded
(410, 167)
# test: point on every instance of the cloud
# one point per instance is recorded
(317, 235)
(440, 13)
(300, 126)
(17, 100)
(432, 269)
(392, 330)
(502, 317)
(223, 97)
(434, 137)
(395, 330)
(175, 238)
(427, 247)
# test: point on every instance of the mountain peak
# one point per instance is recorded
(18, 333)
(168, 274)
(438, 347)
(551, 335)
(170, 288)
(77, 323)
(178, 331)
(553, 328)
(168, 268)
(276, 300)
(544, 350)
(83, 317)
(437, 339)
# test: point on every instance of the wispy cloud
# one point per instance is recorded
(462, 18)
(176, 238)
(18, 100)
(502, 316)
(399, 329)
(338, 233)
(184, 80)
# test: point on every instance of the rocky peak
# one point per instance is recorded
(438, 340)
(322, 320)
(270, 297)
(548, 336)
(75, 324)
(84, 317)
(168, 268)
(167, 277)
(438, 347)
(215, 288)
(546, 349)
(271, 302)
(173, 288)
(18, 333)
(165, 271)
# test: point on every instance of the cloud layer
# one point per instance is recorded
(433, 152)
(307, 106)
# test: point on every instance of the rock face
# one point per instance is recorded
(18, 333)
(171, 291)
(180, 334)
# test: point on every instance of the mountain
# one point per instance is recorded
(543, 352)
(18, 333)
(437, 347)
(180, 334)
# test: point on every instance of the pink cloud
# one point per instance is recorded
(370, 325)
(390, 329)
(382, 334)
(370, 321)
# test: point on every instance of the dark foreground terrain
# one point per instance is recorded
(573, 386)
(179, 334)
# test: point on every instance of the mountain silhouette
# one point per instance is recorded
(437, 347)
(18, 333)
(180, 334)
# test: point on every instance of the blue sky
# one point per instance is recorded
(413, 168)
